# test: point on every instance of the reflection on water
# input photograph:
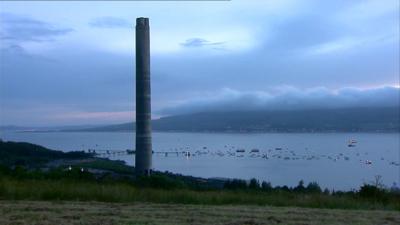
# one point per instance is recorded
(281, 158)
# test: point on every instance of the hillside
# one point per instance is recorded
(343, 120)
(31, 155)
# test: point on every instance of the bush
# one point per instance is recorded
(159, 181)
(235, 184)
(300, 187)
(313, 187)
(266, 186)
(254, 184)
(371, 191)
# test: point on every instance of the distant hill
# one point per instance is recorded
(342, 120)
(27, 154)
(45, 129)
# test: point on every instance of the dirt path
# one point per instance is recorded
(58, 213)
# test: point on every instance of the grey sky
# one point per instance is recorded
(73, 62)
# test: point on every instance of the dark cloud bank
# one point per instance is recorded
(289, 99)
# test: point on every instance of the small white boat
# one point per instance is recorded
(352, 143)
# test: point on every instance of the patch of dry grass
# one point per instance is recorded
(96, 213)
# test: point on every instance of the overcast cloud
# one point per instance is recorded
(289, 98)
(70, 63)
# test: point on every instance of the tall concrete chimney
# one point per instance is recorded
(143, 104)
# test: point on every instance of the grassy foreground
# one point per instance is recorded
(127, 192)
(94, 213)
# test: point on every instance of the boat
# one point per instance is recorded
(240, 150)
(254, 150)
(352, 143)
(130, 152)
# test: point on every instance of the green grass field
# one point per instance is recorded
(126, 192)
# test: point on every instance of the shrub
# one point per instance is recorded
(313, 187)
(266, 186)
(159, 181)
(254, 184)
(235, 184)
(371, 191)
(300, 187)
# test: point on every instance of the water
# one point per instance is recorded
(319, 157)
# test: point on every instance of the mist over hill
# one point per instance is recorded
(361, 119)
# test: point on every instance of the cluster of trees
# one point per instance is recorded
(375, 190)
(254, 184)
